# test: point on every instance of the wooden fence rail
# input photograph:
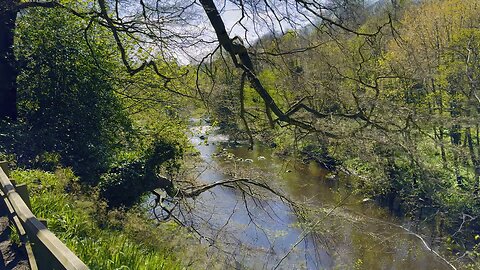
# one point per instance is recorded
(48, 251)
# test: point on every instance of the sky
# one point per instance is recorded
(258, 24)
(260, 20)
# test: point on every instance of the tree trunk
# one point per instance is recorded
(455, 133)
(474, 158)
(439, 136)
(8, 71)
(244, 62)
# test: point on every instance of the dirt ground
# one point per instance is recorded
(12, 256)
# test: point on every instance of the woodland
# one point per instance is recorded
(97, 98)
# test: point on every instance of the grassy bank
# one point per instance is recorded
(108, 239)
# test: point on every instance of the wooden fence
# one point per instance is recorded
(44, 249)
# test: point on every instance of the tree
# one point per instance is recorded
(144, 28)
(8, 74)
(70, 111)
(241, 58)
(9, 9)
(154, 29)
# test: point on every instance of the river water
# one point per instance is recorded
(348, 232)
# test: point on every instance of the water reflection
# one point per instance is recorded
(259, 233)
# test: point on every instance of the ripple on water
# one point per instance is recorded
(354, 236)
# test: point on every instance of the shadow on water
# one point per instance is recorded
(258, 233)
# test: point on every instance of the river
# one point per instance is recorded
(348, 232)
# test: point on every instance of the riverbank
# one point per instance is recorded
(108, 239)
(433, 207)
(443, 213)
(336, 228)
(354, 235)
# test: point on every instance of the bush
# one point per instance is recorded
(128, 179)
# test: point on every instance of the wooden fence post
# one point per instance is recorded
(49, 251)
(23, 192)
(43, 221)
(4, 166)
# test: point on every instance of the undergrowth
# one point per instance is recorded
(108, 239)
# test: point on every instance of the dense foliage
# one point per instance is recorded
(389, 93)
(78, 108)
(128, 180)
(399, 107)
(108, 239)
(73, 109)
(67, 103)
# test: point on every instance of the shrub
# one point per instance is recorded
(129, 179)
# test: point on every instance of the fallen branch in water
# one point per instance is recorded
(244, 185)
(410, 232)
(252, 193)
(426, 246)
(195, 191)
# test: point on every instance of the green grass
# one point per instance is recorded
(106, 239)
